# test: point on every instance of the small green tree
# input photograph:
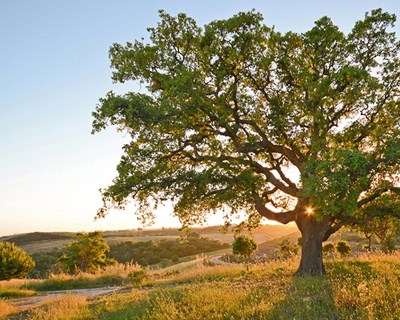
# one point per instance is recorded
(386, 229)
(14, 262)
(328, 248)
(87, 253)
(244, 246)
(367, 229)
(343, 248)
(287, 249)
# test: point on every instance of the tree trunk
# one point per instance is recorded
(313, 232)
(370, 243)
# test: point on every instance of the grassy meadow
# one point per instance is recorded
(361, 287)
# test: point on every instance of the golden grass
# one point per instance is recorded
(5, 309)
(15, 293)
(365, 287)
(17, 283)
(66, 307)
(231, 271)
(115, 275)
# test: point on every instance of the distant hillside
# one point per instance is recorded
(269, 247)
(27, 238)
(48, 241)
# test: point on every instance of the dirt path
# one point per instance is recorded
(217, 260)
(24, 304)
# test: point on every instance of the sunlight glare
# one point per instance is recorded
(309, 210)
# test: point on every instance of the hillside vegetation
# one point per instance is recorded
(47, 241)
(144, 246)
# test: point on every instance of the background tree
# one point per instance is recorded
(295, 127)
(328, 248)
(367, 229)
(384, 226)
(343, 248)
(87, 253)
(244, 246)
(14, 262)
(387, 230)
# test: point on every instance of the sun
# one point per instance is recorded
(309, 210)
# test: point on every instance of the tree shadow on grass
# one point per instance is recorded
(351, 280)
(308, 298)
(352, 269)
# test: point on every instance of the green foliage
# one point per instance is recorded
(286, 249)
(151, 252)
(385, 221)
(230, 102)
(45, 263)
(389, 245)
(343, 248)
(87, 253)
(336, 181)
(328, 248)
(139, 277)
(385, 227)
(233, 107)
(14, 262)
(244, 246)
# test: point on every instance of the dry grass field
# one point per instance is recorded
(362, 287)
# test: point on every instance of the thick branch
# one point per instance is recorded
(376, 194)
(273, 148)
(290, 190)
(333, 229)
(282, 217)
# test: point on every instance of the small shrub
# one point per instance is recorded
(139, 277)
(244, 246)
(328, 248)
(207, 262)
(172, 273)
(343, 248)
(231, 258)
(14, 262)
(389, 245)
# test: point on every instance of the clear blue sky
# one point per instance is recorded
(55, 67)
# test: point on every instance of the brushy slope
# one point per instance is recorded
(47, 241)
(366, 287)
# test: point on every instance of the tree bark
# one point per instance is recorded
(313, 233)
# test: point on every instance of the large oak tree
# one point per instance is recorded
(294, 127)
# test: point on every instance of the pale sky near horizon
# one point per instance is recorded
(55, 67)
